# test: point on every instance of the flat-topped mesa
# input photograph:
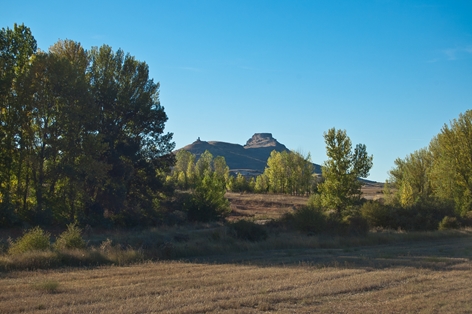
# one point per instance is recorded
(262, 140)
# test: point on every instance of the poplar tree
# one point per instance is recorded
(341, 172)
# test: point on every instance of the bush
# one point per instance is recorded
(378, 215)
(356, 225)
(449, 223)
(309, 219)
(33, 240)
(70, 239)
(466, 219)
(250, 231)
(314, 201)
(208, 201)
(424, 215)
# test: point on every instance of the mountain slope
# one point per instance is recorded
(250, 158)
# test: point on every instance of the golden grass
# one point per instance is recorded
(262, 206)
(430, 276)
(417, 281)
(272, 206)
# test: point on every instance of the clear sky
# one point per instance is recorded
(391, 73)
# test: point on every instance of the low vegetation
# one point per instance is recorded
(249, 233)
(424, 276)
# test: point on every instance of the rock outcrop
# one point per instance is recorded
(250, 159)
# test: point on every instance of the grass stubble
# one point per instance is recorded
(431, 276)
(385, 272)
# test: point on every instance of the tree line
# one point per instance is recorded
(440, 175)
(81, 134)
(287, 172)
(82, 140)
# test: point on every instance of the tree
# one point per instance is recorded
(204, 164)
(411, 177)
(179, 172)
(208, 200)
(287, 172)
(341, 172)
(451, 174)
(131, 123)
(81, 134)
(221, 169)
(17, 46)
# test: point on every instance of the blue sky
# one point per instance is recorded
(391, 73)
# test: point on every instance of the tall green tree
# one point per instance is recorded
(179, 173)
(17, 46)
(204, 164)
(451, 174)
(131, 122)
(341, 172)
(411, 177)
(81, 134)
(287, 172)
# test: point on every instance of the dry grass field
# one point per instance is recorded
(211, 272)
(272, 206)
(262, 206)
(431, 276)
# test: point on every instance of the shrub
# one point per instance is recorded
(33, 240)
(448, 223)
(208, 201)
(314, 201)
(424, 215)
(70, 239)
(378, 215)
(250, 231)
(309, 219)
(356, 225)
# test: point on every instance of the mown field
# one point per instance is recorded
(211, 272)
(430, 276)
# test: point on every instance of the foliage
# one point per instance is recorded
(424, 215)
(309, 219)
(341, 187)
(378, 215)
(451, 173)
(356, 225)
(36, 239)
(287, 173)
(248, 230)
(411, 177)
(449, 223)
(442, 172)
(314, 201)
(188, 172)
(208, 201)
(70, 239)
(81, 134)
(242, 184)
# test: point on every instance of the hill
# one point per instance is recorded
(250, 159)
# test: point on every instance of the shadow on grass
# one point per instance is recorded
(437, 254)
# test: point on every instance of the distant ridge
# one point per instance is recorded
(250, 159)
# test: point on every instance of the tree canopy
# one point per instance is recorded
(341, 172)
(82, 134)
(442, 171)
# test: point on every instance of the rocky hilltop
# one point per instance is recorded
(259, 140)
(250, 159)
